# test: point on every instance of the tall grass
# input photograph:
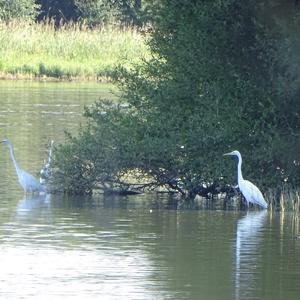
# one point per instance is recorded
(284, 199)
(38, 49)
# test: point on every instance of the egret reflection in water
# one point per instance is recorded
(32, 202)
(50, 255)
(247, 253)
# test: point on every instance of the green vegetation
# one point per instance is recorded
(213, 76)
(91, 12)
(214, 84)
(31, 50)
(71, 39)
(22, 9)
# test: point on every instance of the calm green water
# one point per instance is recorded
(138, 247)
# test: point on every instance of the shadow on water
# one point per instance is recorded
(248, 257)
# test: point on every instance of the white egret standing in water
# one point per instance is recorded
(28, 182)
(249, 190)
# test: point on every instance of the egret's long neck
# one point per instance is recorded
(12, 154)
(240, 175)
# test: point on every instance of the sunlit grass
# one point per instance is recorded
(30, 50)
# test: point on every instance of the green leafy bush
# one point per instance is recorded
(97, 12)
(13, 9)
(211, 86)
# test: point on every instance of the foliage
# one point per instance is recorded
(98, 12)
(211, 86)
(96, 158)
(58, 10)
(91, 12)
(25, 9)
(136, 12)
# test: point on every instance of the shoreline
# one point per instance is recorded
(65, 78)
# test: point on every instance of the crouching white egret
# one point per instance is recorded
(28, 182)
(45, 172)
(248, 189)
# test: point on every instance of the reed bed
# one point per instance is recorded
(284, 199)
(72, 51)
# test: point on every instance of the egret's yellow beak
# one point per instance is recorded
(229, 153)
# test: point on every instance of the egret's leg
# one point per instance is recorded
(247, 203)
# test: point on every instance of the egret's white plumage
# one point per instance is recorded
(28, 182)
(248, 189)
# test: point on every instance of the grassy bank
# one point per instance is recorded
(38, 50)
